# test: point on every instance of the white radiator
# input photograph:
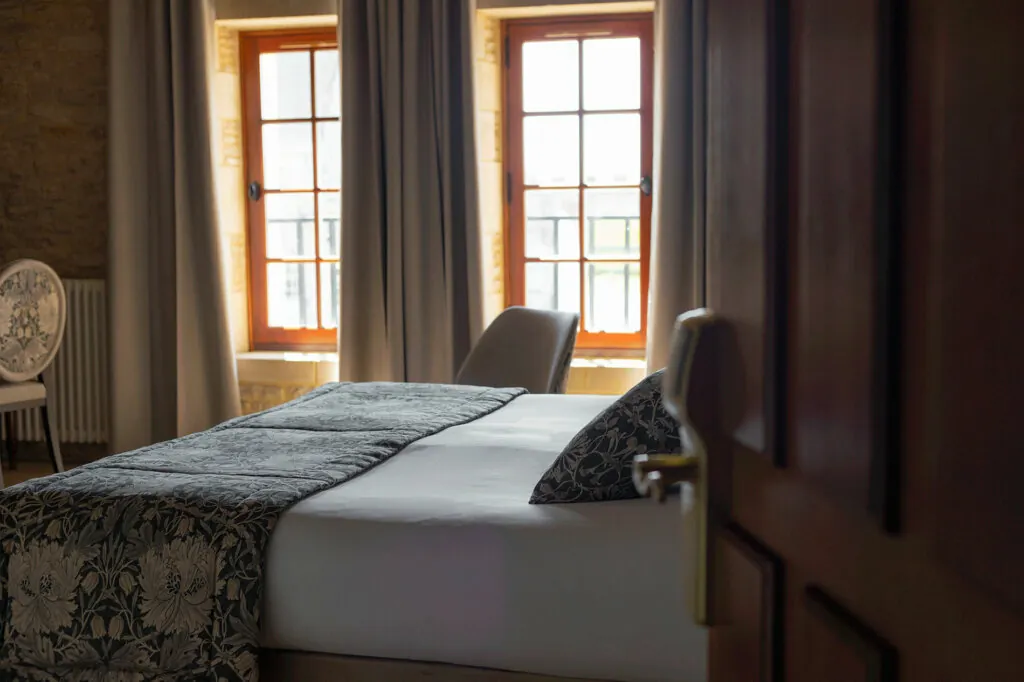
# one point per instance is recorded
(80, 371)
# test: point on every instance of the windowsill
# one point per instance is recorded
(287, 368)
(287, 356)
(602, 362)
(593, 359)
(608, 375)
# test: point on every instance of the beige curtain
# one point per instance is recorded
(677, 239)
(411, 285)
(172, 365)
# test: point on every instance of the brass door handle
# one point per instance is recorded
(653, 475)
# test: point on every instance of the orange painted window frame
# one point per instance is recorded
(515, 33)
(262, 335)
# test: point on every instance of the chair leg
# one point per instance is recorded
(52, 442)
(12, 440)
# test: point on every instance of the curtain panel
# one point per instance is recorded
(172, 365)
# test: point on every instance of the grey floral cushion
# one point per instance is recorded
(596, 465)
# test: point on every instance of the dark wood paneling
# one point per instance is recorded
(737, 148)
(840, 648)
(779, 189)
(890, 216)
(833, 291)
(747, 610)
(975, 326)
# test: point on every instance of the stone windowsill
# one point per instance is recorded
(590, 374)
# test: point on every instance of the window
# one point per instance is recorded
(292, 105)
(578, 143)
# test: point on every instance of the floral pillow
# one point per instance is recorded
(596, 465)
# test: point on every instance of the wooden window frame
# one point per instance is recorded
(253, 44)
(515, 33)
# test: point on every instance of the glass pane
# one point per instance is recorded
(611, 149)
(330, 225)
(291, 229)
(329, 287)
(328, 155)
(553, 286)
(288, 156)
(611, 73)
(613, 297)
(552, 223)
(328, 83)
(551, 150)
(291, 295)
(612, 228)
(285, 85)
(551, 79)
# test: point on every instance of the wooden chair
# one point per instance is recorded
(33, 311)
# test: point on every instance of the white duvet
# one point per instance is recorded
(436, 555)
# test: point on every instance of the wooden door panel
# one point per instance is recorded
(748, 605)
(895, 586)
(833, 366)
(841, 648)
(975, 350)
(737, 122)
(884, 366)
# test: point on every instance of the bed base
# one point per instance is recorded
(277, 665)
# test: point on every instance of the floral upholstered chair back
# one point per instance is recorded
(32, 315)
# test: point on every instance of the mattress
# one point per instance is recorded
(435, 555)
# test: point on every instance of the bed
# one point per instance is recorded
(412, 554)
(453, 566)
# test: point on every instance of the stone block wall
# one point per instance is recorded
(53, 134)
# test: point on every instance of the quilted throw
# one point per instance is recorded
(149, 565)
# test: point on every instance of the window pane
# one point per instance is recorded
(330, 225)
(328, 84)
(611, 149)
(553, 286)
(291, 230)
(611, 73)
(551, 150)
(613, 297)
(288, 156)
(285, 85)
(612, 227)
(551, 75)
(328, 155)
(291, 295)
(552, 223)
(329, 287)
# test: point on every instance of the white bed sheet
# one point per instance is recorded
(435, 555)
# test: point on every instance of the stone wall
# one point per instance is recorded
(53, 134)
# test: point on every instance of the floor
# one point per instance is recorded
(28, 469)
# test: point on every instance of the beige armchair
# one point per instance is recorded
(523, 347)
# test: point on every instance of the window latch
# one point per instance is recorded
(645, 185)
(255, 191)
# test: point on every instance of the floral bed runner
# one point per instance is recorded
(149, 565)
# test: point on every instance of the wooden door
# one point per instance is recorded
(865, 394)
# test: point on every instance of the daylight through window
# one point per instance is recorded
(292, 101)
(578, 162)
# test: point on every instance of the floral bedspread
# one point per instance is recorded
(149, 565)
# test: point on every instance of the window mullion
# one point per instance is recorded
(581, 186)
(316, 190)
